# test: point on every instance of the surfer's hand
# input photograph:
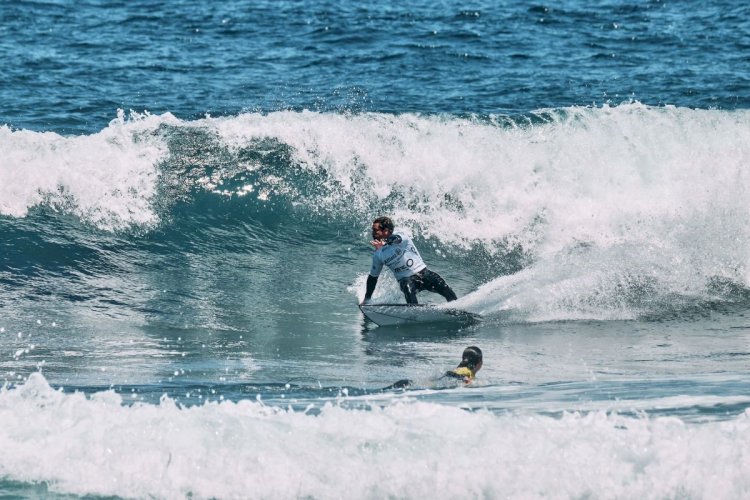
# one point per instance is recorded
(364, 301)
(378, 244)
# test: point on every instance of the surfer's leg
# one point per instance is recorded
(433, 282)
(409, 287)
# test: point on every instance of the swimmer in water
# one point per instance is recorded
(471, 363)
(466, 371)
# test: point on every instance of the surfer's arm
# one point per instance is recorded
(372, 279)
(371, 282)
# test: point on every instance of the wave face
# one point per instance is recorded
(604, 213)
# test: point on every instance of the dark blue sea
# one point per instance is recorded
(186, 195)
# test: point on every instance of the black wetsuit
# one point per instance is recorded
(425, 280)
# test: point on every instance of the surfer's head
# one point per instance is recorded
(471, 359)
(382, 228)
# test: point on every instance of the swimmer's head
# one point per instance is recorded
(472, 358)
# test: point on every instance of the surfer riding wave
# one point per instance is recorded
(394, 248)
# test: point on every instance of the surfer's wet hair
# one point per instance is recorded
(471, 357)
(384, 222)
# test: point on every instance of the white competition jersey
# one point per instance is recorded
(403, 257)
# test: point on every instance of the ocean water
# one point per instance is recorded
(186, 192)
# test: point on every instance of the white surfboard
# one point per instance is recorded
(404, 314)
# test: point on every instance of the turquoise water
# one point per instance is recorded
(186, 193)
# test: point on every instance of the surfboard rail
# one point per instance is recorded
(404, 314)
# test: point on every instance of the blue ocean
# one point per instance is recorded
(186, 195)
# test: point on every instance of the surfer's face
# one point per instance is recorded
(378, 233)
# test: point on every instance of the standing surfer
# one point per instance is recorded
(395, 249)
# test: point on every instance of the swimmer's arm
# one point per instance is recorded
(457, 376)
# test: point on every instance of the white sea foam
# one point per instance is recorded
(405, 449)
(587, 175)
(108, 179)
(592, 175)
